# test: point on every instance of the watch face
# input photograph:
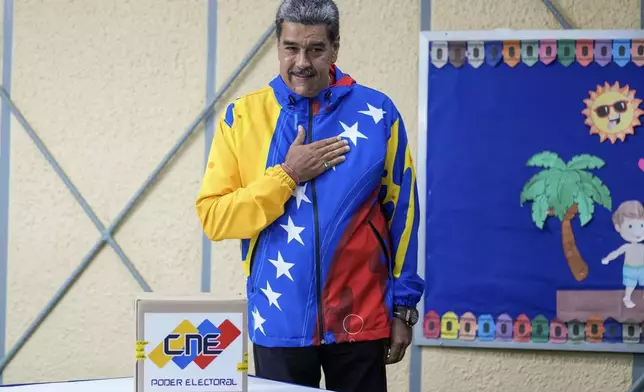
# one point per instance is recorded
(413, 319)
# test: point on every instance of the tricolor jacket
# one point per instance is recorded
(326, 260)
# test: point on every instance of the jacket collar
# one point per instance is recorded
(329, 98)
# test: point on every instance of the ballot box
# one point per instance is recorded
(190, 344)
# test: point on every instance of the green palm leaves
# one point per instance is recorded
(561, 185)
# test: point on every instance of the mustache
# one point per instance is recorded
(306, 72)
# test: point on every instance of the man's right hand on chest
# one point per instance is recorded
(306, 161)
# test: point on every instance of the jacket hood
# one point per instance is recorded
(341, 85)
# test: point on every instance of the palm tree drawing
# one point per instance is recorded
(565, 190)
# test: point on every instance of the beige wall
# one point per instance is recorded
(109, 86)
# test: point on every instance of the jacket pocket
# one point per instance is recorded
(383, 247)
(388, 258)
(251, 264)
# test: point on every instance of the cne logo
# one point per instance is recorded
(187, 344)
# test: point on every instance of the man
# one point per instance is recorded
(314, 174)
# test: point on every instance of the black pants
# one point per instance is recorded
(348, 367)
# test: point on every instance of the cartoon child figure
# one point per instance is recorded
(629, 223)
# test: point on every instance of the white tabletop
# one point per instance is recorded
(127, 385)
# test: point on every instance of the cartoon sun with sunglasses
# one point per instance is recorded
(612, 112)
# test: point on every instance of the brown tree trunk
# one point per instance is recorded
(577, 265)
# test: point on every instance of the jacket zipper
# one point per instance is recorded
(318, 274)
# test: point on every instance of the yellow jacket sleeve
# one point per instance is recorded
(229, 209)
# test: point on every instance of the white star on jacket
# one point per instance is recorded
(282, 267)
(258, 321)
(293, 231)
(272, 296)
(300, 194)
(375, 113)
(352, 133)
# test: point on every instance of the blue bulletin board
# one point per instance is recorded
(531, 186)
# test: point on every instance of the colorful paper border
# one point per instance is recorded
(529, 52)
(522, 329)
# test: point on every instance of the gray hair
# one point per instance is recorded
(309, 12)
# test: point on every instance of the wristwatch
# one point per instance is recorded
(408, 315)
